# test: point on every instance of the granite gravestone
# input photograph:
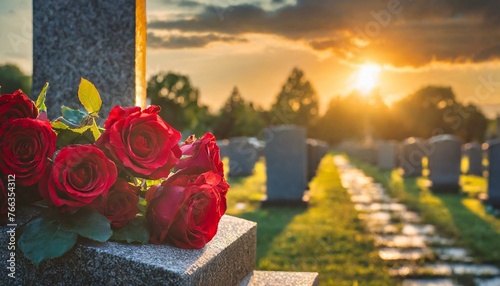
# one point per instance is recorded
(224, 148)
(410, 157)
(474, 155)
(493, 150)
(101, 41)
(444, 159)
(286, 165)
(312, 157)
(243, 155)
(387, 154)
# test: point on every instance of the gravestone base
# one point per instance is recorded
(226, 260)
(445, 188)
(285, 203)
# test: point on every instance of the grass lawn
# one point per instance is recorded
(460, 216)
(327, 237)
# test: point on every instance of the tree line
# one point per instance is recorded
(429, 111)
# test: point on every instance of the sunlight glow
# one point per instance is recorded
(367, 78)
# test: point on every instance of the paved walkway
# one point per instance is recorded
(414, 251)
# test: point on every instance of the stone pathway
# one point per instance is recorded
(415, 253)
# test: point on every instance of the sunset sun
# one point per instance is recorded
(367, 78)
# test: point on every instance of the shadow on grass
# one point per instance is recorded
(271, 222)
(478, 230)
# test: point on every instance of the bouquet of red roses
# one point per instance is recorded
(130, 181)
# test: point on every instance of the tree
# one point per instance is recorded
(297, 103)
(237, 118)
(12, 79)
(178, 100)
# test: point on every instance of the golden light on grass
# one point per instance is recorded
(367, 78)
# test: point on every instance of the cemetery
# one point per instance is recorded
(115, 171)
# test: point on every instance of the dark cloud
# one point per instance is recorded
(400, 32)
(193, 41)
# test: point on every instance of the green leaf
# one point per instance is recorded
(43, 239)
(40, 101)
(142, 204)
(81, 135)
(134, 231)
(89, 223)
(89, 97)
(72, 117)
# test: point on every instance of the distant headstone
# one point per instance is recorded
(444, 159)
(412, 151)
(498, 125)
(493, 150)
(242, 156)
(474, 155)
(101, 41)
(312, 157)
(286, 164)
(387, 154)
(224, 148)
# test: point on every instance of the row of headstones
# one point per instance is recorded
(291, 160)
(444, 156)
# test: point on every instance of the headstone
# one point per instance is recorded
(312, 157)
(498, 125)
(101, 41)
(387, 154)
(224, 148)
(323, 150)
(412, 151)
(444, 159)
(474, 155)
(226, 260)
(368, 154)
(243, 155)
(493, 149)
(286, 164)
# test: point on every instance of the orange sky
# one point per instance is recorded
(254, 44)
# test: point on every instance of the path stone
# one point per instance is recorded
(414, 252)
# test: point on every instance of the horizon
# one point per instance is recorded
(395, 46)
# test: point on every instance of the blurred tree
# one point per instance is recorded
(238, 118)
(178, 99)
(297, 103)
(345, 118)
(434, 110)
(12, 79)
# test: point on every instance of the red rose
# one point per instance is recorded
(79, 175)
(202, 153)
(16, 105)
(26, 146)
(3, 201)
(186, 209)
(120, 205)
(140, 142)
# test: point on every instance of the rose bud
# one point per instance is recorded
(27, 145)
(16, 105)
(201, 155)
(120, 205)
(140, 142)
(80, 174)
(185, 210)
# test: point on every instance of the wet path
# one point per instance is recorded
(414, 252)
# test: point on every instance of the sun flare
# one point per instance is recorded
(367, 78)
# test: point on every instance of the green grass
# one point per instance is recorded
(461, 216)
(326, 237)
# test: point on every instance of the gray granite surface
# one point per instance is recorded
(279, 278)
(226, 260)
(95, 40)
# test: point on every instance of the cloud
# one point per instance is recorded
(191, 41)
(398, 32)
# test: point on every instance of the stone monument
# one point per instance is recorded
(444, 162)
